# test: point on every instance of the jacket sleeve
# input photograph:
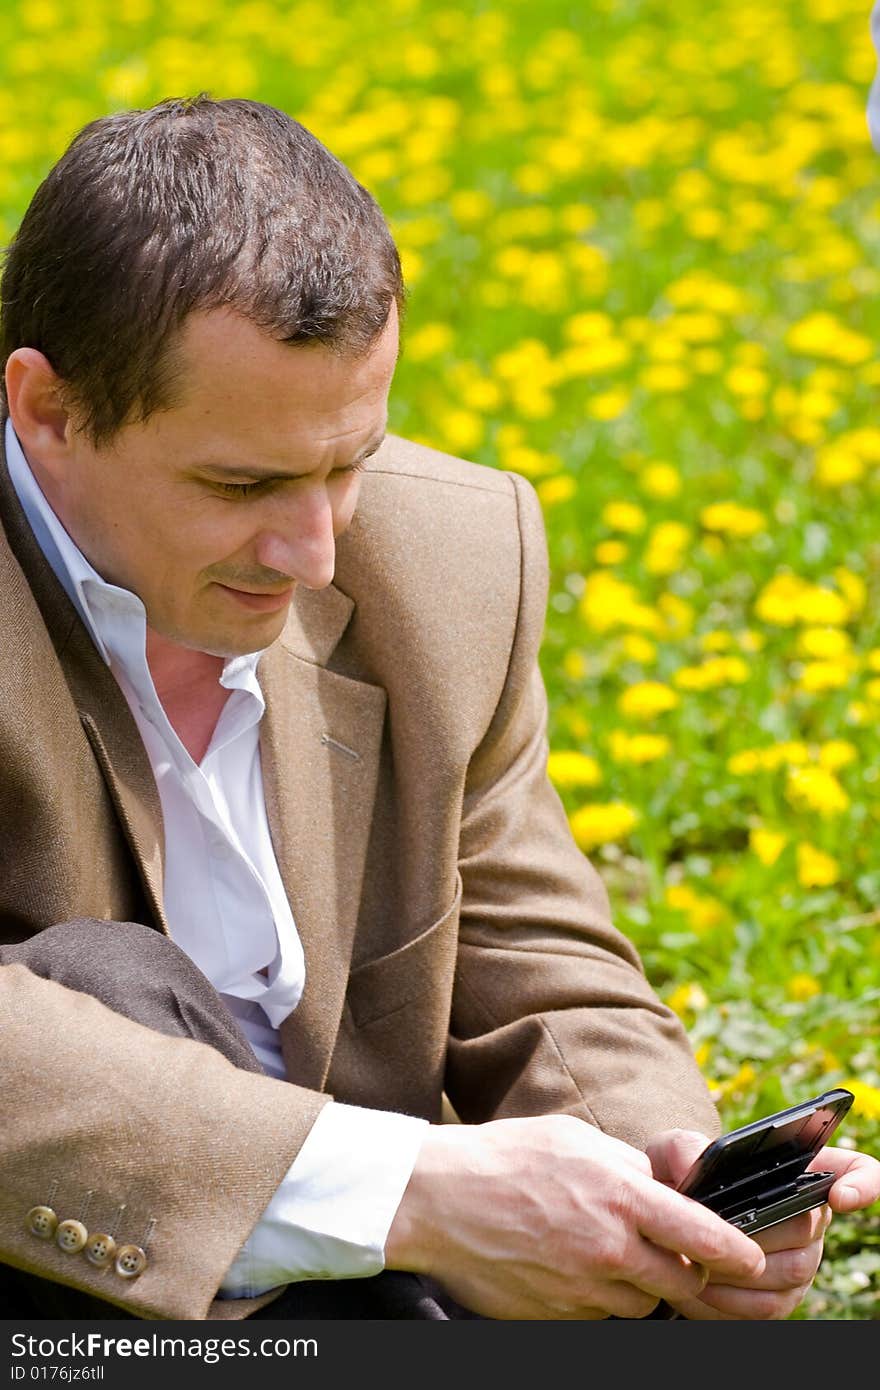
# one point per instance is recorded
(159, 1141)
(552, 1011)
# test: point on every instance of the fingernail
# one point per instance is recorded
(850, 1196)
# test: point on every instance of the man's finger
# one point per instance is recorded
(795, 1232)
(677, 1223)
(857, 1178)
(673, 1153)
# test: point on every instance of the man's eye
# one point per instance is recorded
(263, 484)
(238, 489)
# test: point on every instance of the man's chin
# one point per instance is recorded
(229, 642)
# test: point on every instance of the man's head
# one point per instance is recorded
(201, 297)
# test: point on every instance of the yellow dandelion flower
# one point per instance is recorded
(819, 605)
(836, 466)
(853, 588)
(818, 405)
(818, 676)
(647, 699)
(767, 844)
(824, 643)
(481, 394)
(470, 205)
(665, 377)
(744, 763)
(574, 664)
(553, 490)
(717, 671)
(635, 647)
(816, 789)
(624, 516)
(708, 913)
(864, 441)
(815, 868)
(608, 602)
(602, 823)
(687, 999)
(429, 341)
(638, 748)
(592, 359)
(707, 361)
(837, 752)
(661, 480)
(567, 768)
(867, 1098)
(608, 405)
(742, 1080)
(786, 754)
(703, 913)
(670, 535)
(680, 896)
(787, 600)
(731, 519)
(698, 328)
(747, 381)
(718, 641)
(702, 290)
(588, 327)
(520, 458)
(802, 987)
(611, 552)
(823, 335)
(872, 660)
(462, 429)
(658, 560)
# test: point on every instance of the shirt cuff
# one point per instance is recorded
(331, 1215)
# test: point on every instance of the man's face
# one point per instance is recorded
(214, 511)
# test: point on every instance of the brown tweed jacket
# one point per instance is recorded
(455, 937)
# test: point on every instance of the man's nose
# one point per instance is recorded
(299, 540)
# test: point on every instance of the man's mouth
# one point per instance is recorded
(260, 602)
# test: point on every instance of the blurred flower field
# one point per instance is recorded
(642, 243)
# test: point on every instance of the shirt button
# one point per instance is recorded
(71, 1236)
(42, 1222)
(130, 1261)
(100, 1250)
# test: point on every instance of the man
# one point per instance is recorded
(281, 863)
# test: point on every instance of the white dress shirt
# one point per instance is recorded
(227, 908)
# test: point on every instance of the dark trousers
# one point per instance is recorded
(138, 972)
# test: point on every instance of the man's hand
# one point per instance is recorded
(548, 1217)
(793, 1248)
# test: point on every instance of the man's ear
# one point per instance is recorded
(36, 405)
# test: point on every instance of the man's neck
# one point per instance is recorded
(189, 690)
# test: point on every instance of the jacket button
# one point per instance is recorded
(71, 1236)
(100, 1250)
(130, 1261)
(42, 1222)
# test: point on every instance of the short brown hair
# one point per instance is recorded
(192, 204)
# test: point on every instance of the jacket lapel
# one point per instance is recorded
(104, 714)
(320, 742)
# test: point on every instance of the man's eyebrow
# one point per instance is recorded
(221, 466)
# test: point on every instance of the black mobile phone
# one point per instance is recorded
(757, 1175)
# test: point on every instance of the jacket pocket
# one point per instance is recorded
(383, 986)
